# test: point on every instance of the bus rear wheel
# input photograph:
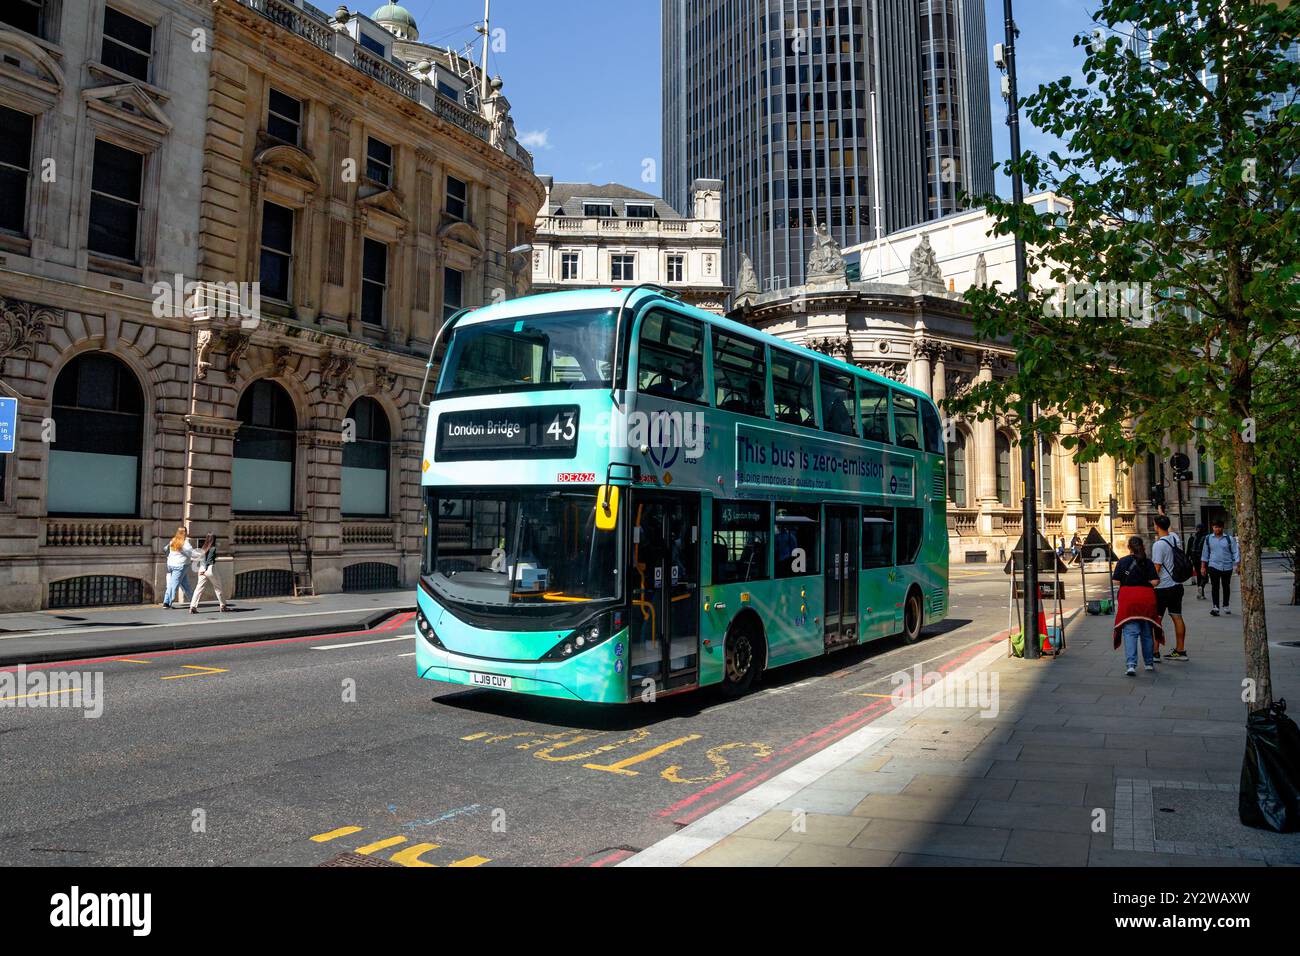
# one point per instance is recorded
(912, 617)
(741, 661)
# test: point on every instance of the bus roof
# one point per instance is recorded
(613, 297)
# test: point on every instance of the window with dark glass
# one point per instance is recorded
(839, 411)
(669, 358)
(639, 210)
(957, 470)
(457, 198)
(569, 265)
(15, 168)
(24, 15)
(792, 389)
(115, 200)
(374, 281)
(911, 524)
(907, 421)
(676, 268)
(449, 91)
(739, 375)
(877, 537)
(275, 270)
(262, 471)
(1085, 481)
(128, 44)
(364, 489)
(740, 538)
(94, 463)
(598, 210)
(875, 410)
(284, 117)
(933, 428)
(1003, 451)
(622, 267)
(1045, 476)
(796, 548)
(376, 47)
(453, 285)
(379, 161)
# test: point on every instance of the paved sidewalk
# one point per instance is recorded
(38, 636)
(1069, 764)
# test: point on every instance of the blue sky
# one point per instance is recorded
(582, 76)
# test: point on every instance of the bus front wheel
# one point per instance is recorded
(913, 617)
(742, 653)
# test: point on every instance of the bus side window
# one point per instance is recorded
(670, 358)
(797, 533)
(875, 410)
(740, 537)
(792, 389)
(877, 537)
(907, 424)
(933, 429)
(740, 375)
(838, 412)
(911, 522)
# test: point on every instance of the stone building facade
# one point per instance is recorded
(591, 236)
(314, 195)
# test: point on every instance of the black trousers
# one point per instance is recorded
(1218, 577)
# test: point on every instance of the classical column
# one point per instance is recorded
(987, 455)
(921, 351)
(940, 392)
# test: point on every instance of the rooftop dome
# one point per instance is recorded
(397, 20)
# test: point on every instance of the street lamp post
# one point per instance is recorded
(1028, 480)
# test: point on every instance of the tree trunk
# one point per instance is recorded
(1254, 628)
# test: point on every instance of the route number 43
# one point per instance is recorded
(563, 428)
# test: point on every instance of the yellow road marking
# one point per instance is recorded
(472, 861)
(411, 855)
(131, 660)
(886, 696)
(477, 736)
(203, 671)
(652, 752)
(378, 845)
(41, 693)
(335, 834)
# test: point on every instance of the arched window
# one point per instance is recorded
(365, 460)
(957, 470)
(1045, 473)
(262, 478)
(98, 431)
(1004, 470)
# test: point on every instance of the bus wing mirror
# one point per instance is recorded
(607, 507)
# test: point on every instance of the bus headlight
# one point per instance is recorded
(426, 629)
(596, 631)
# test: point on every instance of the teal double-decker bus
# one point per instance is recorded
(626, 497)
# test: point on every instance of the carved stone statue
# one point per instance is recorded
(981, 271)
(746, 283)
(825, 263)
(923, 272)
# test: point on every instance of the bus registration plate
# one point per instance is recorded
(494, 681)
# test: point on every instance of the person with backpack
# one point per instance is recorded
(1174, 568)
(1220, 556)
(1194, 546)
(1136, 621)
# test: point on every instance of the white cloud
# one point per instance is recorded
(536, 139)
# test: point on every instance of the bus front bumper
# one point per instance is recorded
(594, 676)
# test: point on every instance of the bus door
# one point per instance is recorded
(664, 580)
(841, 573)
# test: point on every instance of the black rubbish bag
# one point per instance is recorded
(1270, 773)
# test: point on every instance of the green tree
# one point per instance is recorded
(1185, 189)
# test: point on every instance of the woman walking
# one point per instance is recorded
(207, 575)
(1135, 608)
(179, 550)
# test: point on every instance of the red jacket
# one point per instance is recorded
(1137, 603)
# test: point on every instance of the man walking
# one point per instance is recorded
(1169, 593)
(1220, 556)
(1194, 547)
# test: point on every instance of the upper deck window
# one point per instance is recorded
(565, 350)
(792, 389)
(739, 375)
(875, 410)
(838, 412)
(907, 423)
(669, 358)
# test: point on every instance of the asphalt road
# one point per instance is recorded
(296, 752)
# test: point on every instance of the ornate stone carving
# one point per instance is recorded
(283, 355)
(335, 370)
(891, 370)
(747, 282)
(923, 272)
(236, 344)
(840, 347)
(201, 355)
(23, 325)
(957, 384)
(988, 359)
(385, 379)
(981, 270)
(825, 262)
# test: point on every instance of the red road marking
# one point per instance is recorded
(615, 857)
(398, 621)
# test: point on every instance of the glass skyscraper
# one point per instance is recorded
(869, 116)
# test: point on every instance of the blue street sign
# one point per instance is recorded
(8, 425)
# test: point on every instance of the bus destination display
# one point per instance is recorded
(550, 431)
